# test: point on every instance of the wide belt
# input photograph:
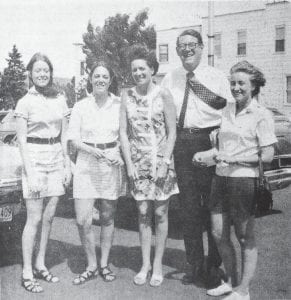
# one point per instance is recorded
(195, 130)
(102, 146)
(48, 141)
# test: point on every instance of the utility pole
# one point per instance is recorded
(210, 33)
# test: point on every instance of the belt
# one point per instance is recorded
(50, 141)
(102, 146)
(195, 130)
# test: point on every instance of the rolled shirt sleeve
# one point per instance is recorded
(22, 109)
(266, 130)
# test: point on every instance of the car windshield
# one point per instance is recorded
(8, 118)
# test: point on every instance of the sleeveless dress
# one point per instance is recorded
(147, 137)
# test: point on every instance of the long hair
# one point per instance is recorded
(49, 90)
(113, 87)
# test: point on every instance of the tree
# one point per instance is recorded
(12, 85)
(113, 40)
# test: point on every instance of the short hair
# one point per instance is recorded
(113, 88)
(257, 77)
(138, 51)
(49, 90)
(191, 32)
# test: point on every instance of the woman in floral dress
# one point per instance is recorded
(147, 133)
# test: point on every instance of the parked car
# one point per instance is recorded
(10, 183)
(3, 114)
(8, 127)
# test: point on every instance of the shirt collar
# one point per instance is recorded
(108, 102)
(251, 108)
(33, 91)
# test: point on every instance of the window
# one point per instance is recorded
(217, 44)
(280, 39)
(82, 68)
(163, 53)
(242, 42)
(288, 89)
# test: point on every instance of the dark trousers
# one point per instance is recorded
(195, 185)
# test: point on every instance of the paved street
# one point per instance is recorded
(66, 259)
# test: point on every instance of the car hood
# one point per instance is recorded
(10, 162)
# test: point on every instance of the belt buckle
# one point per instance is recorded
(51, 140)
(193, 130)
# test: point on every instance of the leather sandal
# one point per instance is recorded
(31, 285)
(46, 276)
(85, 276)
(107, 274)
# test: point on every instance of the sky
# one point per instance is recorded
(53, 26)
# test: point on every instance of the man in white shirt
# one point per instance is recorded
(200, 92)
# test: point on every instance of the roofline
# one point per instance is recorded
(236, 13)
(199, 25)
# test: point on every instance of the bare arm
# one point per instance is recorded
(125, 146)
(21, 130)
(170, 119)
(252, 160)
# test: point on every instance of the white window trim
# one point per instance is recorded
(241, 55)
(274, 49)
(164, 62)
(220, 33)
(285, 90)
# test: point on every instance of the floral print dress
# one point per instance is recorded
(147, 137)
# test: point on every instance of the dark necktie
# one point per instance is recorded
(207, 96)
(185, 101)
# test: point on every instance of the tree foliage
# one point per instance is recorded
(12, 85)
(113, 40)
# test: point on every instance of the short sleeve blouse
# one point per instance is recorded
(44, 115)
(93, 124)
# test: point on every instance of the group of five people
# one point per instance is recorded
(153, 131)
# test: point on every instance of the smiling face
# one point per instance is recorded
(241, 88)
(40, 74)
(189, 51)
(141, 72)
(100, 80)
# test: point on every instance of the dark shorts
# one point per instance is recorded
(233, 195)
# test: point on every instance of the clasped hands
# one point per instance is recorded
(212, 157)
(161, 174)
(112, 158)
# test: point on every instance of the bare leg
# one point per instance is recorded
(161, 222)
(245, 233)
(84, 208)
(107, 213)
(145, 210)
(34, 213)
(221, 233)
(47, 219)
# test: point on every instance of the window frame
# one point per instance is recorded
(284, 40)
(166, 54)
(237, 44)
(286, 90)
(215, 34)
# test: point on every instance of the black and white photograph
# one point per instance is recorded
(145, 149)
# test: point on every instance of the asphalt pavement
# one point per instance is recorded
(65, 258)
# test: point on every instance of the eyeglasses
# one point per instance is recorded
(190, 46)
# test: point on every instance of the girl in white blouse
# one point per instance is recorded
(94, 132)
(41, 122)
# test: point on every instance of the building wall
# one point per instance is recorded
(260, 27)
